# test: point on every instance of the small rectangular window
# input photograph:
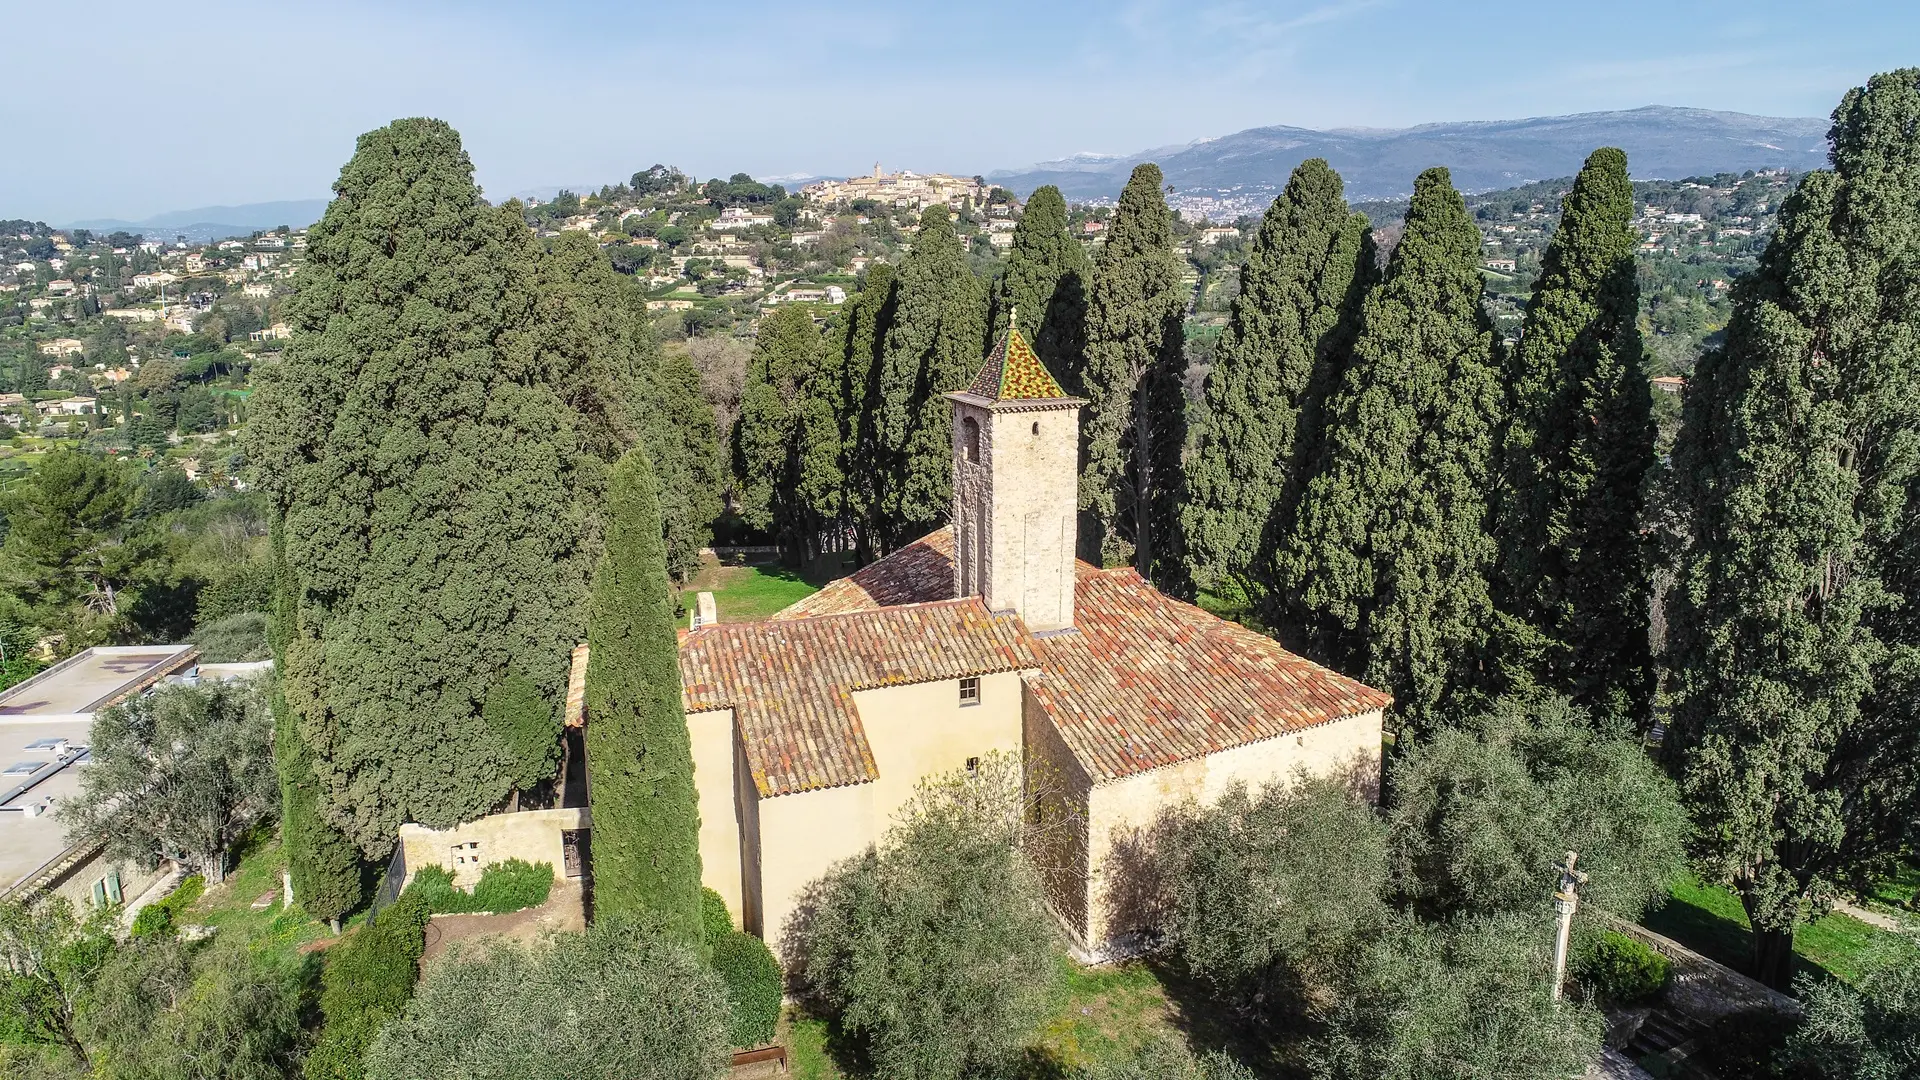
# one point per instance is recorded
(973, 764)
(970, 691)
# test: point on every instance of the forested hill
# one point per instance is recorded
(1661, 142)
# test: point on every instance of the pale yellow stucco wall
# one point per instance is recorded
(533, 835)
(1120, 813)
(801, 837)
(711, 736)
(923, 730)
(1057, 789)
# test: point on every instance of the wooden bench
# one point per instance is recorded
(763, 1054)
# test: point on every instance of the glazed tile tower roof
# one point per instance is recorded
(1013, 372)
(1140, 682)
(791, 683)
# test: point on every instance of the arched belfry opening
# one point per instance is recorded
(970, 438)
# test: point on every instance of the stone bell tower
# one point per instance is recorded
(1016, 471)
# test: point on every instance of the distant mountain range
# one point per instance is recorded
(209, 223)
(1661, 143)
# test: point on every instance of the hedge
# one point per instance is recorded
(509, 885)
(368, 980)
(1622, 970)
(753, 981)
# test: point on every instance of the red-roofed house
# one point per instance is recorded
(809, 730)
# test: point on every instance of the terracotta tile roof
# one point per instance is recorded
(1013, 372)
(791, 682)
(916, 574)
(1144, 681)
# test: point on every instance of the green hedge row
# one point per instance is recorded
(505, 886)
(747, 966)
(367, 981)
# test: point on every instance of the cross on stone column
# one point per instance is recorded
(1565, 902)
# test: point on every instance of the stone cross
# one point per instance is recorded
(1565, 902)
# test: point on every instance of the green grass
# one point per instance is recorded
(229, 907)
(806, 1041)
(1710, 920)
(1899, 890)
(749, 593)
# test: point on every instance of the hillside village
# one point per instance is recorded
(144, 344)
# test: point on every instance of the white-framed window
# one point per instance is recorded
(970, 691)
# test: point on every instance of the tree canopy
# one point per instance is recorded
(438, 452)
(1389, 552)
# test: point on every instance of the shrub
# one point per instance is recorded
(234, 639)
(616, 1001)
(1620, 969)
(512, 885)
(368, 980)
(715, 922)
(753, 983)
(935, 953)
(239, 588)
(163, 915)
(505, 886)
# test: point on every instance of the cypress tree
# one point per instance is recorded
(1046, 283)
(1574, 578)
(1797, 458)
(766, 454)
(323, 863)
(1389, 552)
(592, 319)
(646, 817)
(867, 321)
(934, 346)
(439, 466)
(1286, 337)
(1135, 420)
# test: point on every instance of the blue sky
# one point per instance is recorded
(127, 110)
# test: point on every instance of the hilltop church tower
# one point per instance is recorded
(1016, 471)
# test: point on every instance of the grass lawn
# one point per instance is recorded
(228, 907)
(1899, 890)
(751, 592)
(1710, 920)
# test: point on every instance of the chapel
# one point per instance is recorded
(810, 730)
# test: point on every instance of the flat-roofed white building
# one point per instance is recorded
(45, 727)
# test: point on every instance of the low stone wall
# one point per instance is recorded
(1702, 989)
(467, 850)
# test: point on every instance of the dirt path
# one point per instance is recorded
(563, 911)
(1872, 918)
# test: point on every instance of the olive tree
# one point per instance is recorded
(1480, 814)
(618, 1002)
(935, 950)
(182, 772)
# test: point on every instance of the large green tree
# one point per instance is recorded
(322, 862)
(76, 553)
(773, 427)
(1389, 552)
(1793, 650)
(646, 815)
(1135, 421)
(1574, 575)
(439, 465)
(1283, 349)
(934, 346)
(1046, 282)
(866, 321)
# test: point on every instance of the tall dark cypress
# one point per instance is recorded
(1389, 552)
(323, 863)
(1573, 581)
(439, 467)
(1286, 339)
(1135, 425)
(934, 346)
(867, 322)
(1046, 281)
(766, 451)
(1791, 627)
(646, 814)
